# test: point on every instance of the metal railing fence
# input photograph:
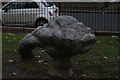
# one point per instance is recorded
(99, 16)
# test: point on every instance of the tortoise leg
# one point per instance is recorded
(26, 45)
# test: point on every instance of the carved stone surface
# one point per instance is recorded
(61, 38)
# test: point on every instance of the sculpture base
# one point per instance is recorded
(60, 68)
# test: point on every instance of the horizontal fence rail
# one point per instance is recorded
(99, 16)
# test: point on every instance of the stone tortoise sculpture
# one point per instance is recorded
(62, 38)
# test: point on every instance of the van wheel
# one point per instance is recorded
(41, 22)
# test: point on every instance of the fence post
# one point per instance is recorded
(59, 6)
(0, 15)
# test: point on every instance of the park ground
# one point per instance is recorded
(100, 62)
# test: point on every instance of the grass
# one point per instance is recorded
(100, 62)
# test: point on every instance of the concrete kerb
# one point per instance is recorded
(28, 30)
(17, 29)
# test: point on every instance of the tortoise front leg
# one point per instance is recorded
(26, 45)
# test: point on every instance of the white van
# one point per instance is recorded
(23, 13)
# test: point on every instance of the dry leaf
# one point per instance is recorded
(115, 37)
(15, 50)
(98, 42)
(105, 57)
(10, 61)
(14, 38)
(84, 75)
(37, 56)
(118, 57)
(113, 47)
(42, 50)
(40, 61)
(10, 33)
(76, 62)
(85, 59)
(17, 65)
(75, 75)
(45, 62)
(6, 37)
(13, 73)
(9, 41)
